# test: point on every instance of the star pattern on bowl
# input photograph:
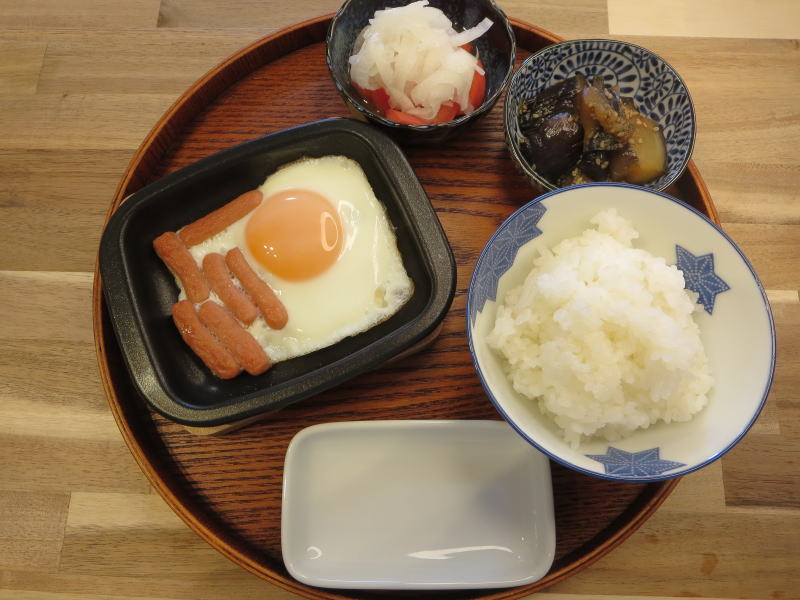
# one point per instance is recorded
(698, 271)
(645, 463)
(501, 255)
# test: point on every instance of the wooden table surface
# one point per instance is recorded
(81, 84)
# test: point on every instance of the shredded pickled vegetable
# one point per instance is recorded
(414, 53)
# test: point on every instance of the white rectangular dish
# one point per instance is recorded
(416, 505)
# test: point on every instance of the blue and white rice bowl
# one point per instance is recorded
(733, 316)
(655, 86)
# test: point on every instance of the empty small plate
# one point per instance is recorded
(416, 505)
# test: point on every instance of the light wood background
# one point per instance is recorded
(82, 82)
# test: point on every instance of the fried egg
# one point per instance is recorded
(324, 244)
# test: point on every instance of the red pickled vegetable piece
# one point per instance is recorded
(399, 116)
(377, 98)
(477, 90)
(447, 112)
(366, 94)
(380, 99)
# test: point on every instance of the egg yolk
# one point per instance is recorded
(295, 234)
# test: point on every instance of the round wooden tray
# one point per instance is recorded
(228, 487)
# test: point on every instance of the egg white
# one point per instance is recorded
(365, 286)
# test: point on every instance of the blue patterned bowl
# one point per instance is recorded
(496, 48)
(658, 90)
(733, 316)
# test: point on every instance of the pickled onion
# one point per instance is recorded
(414, 53)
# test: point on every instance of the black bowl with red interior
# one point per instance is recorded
(496, 49)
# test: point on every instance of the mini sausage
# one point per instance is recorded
(219, 278)
(176, 256)
(241, 344)
(202, 342)
(216, 221)
(270, 305)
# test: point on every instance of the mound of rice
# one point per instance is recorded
(602, 335)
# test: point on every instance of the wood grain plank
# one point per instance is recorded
(129, 553)
(55, 465)
(760, 463)
(47, 379)
(744, 144)
(42, 400)
(55, 194)
(764, 470)
(783, 296)
(78, 62)
(78, 121)
(219, 582)
(753, 192)
(31, 529)
(768, 422)
(27, 303)
(711, 18)
(22, 62)
(77, 14)
(700, 491)
(772, 249)
(50, 389)
(238, 14)
(571, 20)
(31, 595)
(107, 510)
(700, 554)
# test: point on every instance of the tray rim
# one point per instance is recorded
(216, 80)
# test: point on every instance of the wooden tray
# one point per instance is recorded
(228, 488)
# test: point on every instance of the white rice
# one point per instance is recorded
(601, 334)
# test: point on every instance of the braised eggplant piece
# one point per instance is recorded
(554, 144)
(602, 142)
(574, 177)
(552, 134)
(553, 138)
(645, 156)
(558, 98)
(605, 106)
(595, 164)
(578, 131)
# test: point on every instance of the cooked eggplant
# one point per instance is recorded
(605, 107)
(554, 144)
(558, 98)
(602, 142)
(595, 164)
(590, 124)
(645, 156)
(574, 177)
(577, 131)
